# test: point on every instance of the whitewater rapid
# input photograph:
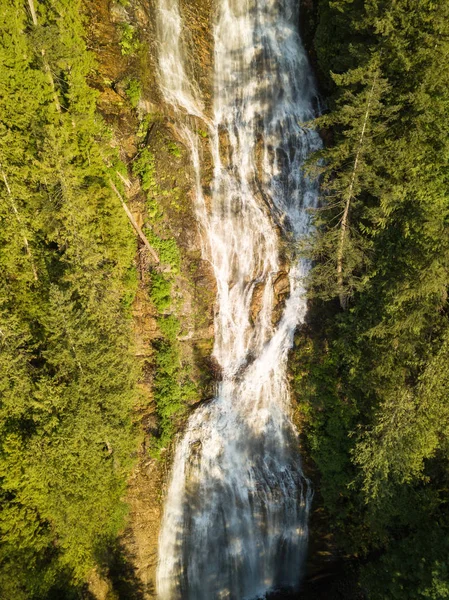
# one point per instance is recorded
(236, 512)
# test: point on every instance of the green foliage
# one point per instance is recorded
(160, 292)
(418, 568)
(144, 167)
(131, 283)
(170, 327)
(167, 249)
(129, 41)
(173, 387)
(134, 91)
(167, 390)
(68, 380)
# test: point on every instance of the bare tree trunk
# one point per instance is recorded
(16, 212)
(46, 65)
(33, 12)
(133, 221)
(344, 219)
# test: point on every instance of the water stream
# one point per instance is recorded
(235, 520)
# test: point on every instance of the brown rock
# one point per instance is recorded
(256, 300)
(281, 289)
(281, 285)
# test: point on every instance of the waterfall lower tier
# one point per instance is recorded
(235, 523)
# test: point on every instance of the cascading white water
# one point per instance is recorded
(176, 87)
(235, 522)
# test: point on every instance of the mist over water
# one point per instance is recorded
(235, 521)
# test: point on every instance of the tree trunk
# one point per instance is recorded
(349, 196)
(133, 221)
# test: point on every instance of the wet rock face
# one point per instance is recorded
(198, 18)
(256, 300)
(281, 286)
(281, 289)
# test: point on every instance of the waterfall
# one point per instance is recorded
(236, 512)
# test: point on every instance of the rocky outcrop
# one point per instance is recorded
(281, 288)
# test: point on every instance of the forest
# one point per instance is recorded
(68, 376)
(369, 368)
(373, 361)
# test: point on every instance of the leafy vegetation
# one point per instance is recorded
(134, 91)
(374, 369)
(144, 167)
(67, 380)
(160, 292)
(129, 41)
(173, 387)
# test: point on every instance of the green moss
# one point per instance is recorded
(174, 149)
